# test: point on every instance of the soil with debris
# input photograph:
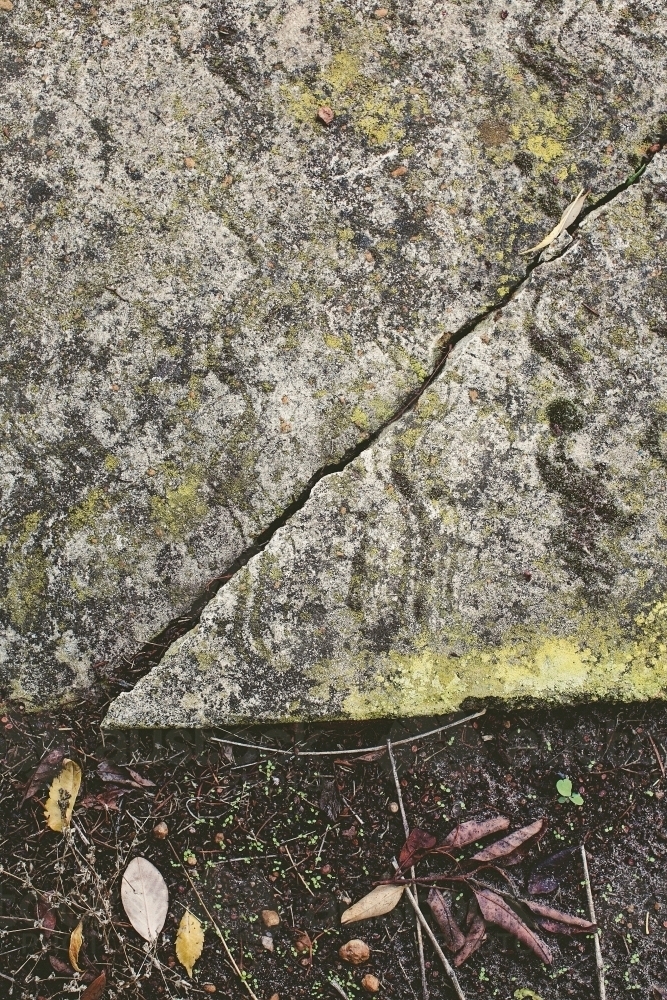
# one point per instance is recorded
(252, 830)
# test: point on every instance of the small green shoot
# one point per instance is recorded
(565, 793)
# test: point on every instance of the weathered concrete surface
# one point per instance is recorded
(207, 294)
(507, 539)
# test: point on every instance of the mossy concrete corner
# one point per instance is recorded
(505, 541)
(207, 294)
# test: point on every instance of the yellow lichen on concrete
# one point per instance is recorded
(597, 660)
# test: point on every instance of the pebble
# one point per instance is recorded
(270, 918)
(354, 951)
(161, 830)
(371, 983)
(393, 807)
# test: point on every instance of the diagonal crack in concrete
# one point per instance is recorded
(151, 652)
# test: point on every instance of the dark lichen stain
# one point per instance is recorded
(557, 346)
(565, 417)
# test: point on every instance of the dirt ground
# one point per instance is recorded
(252, 830)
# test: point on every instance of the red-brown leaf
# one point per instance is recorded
(474, 938)
(441, 909)
(46, 916)
(556, 922)
(58, 965)
(419, 843)
(125, 777)
(96, 988)
(473, 830)
(496, 911)
(45, 772)
(363, 757)
(511, 849)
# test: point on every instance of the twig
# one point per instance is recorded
(297, 871)
(348, 753)
(406, 828)
(230, 957)
(657, 755)
(434, 941)
(338, 988)
(591, 912)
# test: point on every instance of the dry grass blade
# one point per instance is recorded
(44, 772)
(189, 941)
(557, 922)
(473, 830)
(440, 906)
(145, 898)
(96, 988)
(496, 910)
(75, 943)
(568, 217)
(62, 796)
(383, 899)
(511, 849)
(474, 938)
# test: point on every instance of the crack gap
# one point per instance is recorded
(150, 653)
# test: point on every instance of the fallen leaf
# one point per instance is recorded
(399, 171)
(145, 898)
(44, 772)
(474, 938)
(383, 899)
(440, 905)
(542, 880)
(473, 830)
(419, 843)
(355, 952)
(330, 800)
(497, 911)
(511, 849)
(6, 5)
(62, 796)
(473, 394)
(568, 217)
(108, 799)
(46, 916)
(189, 163)
(189, 941)
(556, 922)
(75, 943)
(58, 965)
(364, 757)
(124, 776)
(325, 114)
(96, 988)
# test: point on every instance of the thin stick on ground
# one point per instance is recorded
(591, 912)
(345, 753)
(220, 935)
(413, 897)
(406, 829)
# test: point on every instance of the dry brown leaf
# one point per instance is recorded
(497, 911)
(46, 916)
(96, 988)
(325, 114)
(511, 849)
(62, 796)
(441, 908)
(75, 943)
(44, 772)
(474, 938)
(556, 922)
(189, 941)
(473, 830)
(383, 899)
(115, 774)
(418, 844)
(145, 898)
(569, 215)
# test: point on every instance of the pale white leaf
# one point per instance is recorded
(379, 901)
(569, 215)
(145, 898)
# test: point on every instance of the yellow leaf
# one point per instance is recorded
(189, 941)
(75, 942)
(62, 796)
(379, 901)
(567, 218)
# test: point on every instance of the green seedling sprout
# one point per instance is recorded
(565, 793)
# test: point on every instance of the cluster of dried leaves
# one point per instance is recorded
(144, 894)
(485, 905)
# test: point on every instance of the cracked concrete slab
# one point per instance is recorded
(207, 294)
(506, 540)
